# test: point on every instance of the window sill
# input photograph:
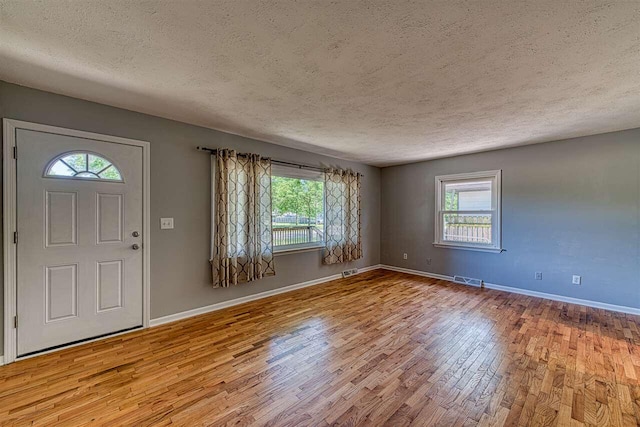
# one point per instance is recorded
(468, 247)
(290, 251)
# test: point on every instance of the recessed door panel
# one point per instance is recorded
(60, 218)
(109, 218)
(61, 292)
(110, 281)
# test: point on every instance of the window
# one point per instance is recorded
(468, 211)
(82, 165)
(297, 198)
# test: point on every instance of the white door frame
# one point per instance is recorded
(10, 127)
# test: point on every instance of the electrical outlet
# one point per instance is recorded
(166, 223)
(576, 280)
(538, 275)
(428, 261)
(404, 256)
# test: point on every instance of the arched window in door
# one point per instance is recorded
(83, 165)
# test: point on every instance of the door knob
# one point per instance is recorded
(135, 234)
(135, 246)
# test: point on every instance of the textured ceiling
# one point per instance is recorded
(382, 82)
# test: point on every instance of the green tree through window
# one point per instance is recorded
(301, 197)
(297, 211)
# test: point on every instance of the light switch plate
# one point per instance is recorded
(166, 223)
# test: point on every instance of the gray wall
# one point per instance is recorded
(569, 207)
(180, 188)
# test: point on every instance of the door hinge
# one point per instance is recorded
(15, 151)
(15, 322)
(15, 237)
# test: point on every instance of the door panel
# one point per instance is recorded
(61, 292)
(110, 284)
(60, 218)
(110, 218)
(78, 275)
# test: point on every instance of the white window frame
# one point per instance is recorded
(59, 158)
(495, 176)
(309, 175)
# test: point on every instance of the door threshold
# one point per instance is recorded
(77, 343)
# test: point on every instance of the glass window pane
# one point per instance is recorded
(87, 175)
(78, 161)
(467, 228)
(467, 196)
(60, 169)
(297, 211)
(111, 173)
(96, 164)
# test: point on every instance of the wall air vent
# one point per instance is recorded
(468, 281)
(351, 272)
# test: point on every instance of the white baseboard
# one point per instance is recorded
(554, 297)
(248, 298)
(417, 272)
(562, 298)
(1, 360)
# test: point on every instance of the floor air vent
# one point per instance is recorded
(348, 273)
(467, 281)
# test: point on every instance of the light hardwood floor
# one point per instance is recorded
(380, 348)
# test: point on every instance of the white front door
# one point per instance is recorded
(79, 238)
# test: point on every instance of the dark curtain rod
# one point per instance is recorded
(277, 162)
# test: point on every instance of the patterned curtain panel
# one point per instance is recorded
(342, 216)
(242, 249)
